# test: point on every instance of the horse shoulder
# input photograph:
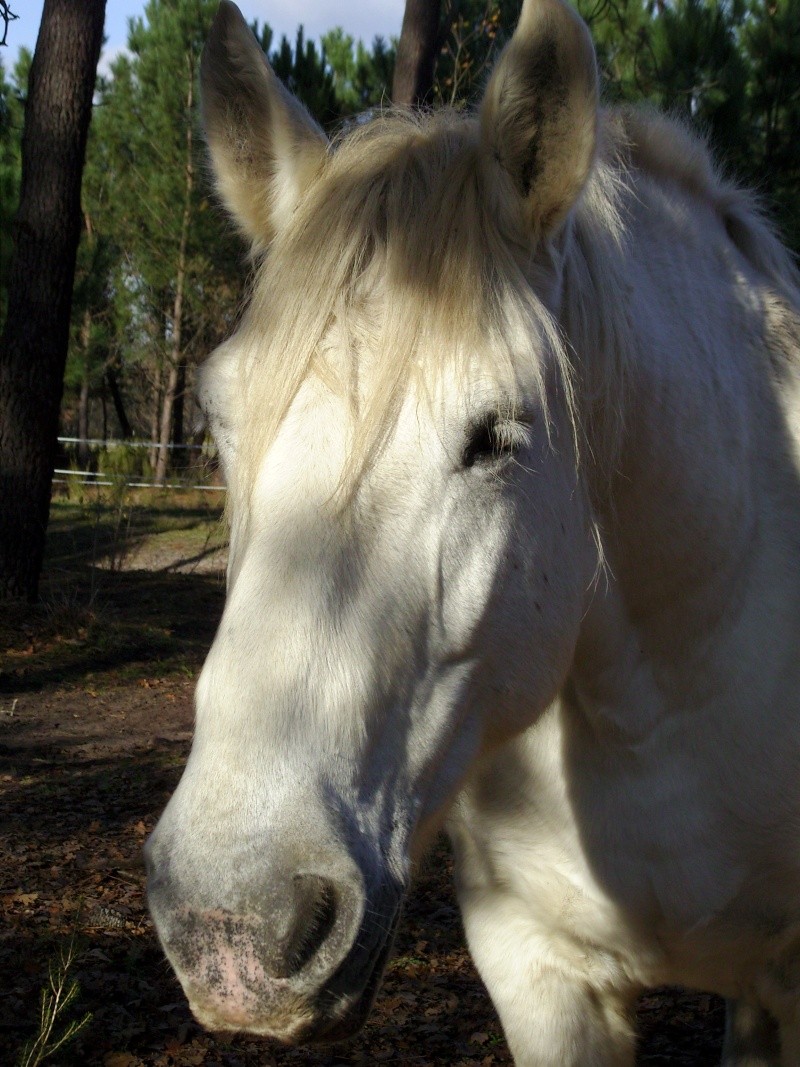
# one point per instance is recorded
(521, 861)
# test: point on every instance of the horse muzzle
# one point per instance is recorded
(300, 960)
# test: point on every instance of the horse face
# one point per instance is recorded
(366, 657)
(375, 642)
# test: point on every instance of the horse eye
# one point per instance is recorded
(486, 441)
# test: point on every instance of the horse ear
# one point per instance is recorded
(265, 147)
(539, 112)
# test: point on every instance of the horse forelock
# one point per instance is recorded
(392, 269)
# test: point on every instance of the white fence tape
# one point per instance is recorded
(101, 478)
(153, 446)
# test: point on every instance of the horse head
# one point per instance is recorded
(411, 542)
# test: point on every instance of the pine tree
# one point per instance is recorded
(176, 264)
(361, 78)
(622, 34)
(305, 73)
(697, 71)
(33, 345)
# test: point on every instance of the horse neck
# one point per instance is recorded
(671, 396)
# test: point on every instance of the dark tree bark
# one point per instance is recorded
(84, 452)
(33, 346)
(420, 41)
(179, 417)
(125, 430)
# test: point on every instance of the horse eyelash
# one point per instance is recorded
(489, 438)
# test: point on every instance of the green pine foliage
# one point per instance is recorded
(56, 1004)
(770, 40)
(12, 96)
(621, 30)
(157, 263)
(361, 77)
(304, 71)
(695, 69)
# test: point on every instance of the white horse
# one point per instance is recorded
(510, 428)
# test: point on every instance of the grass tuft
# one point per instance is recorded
(56, 1030)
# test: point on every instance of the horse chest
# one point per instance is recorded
(624, 849)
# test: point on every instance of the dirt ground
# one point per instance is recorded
(95, 725)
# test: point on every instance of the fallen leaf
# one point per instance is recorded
(121, 1059)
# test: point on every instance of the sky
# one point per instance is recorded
(360, 18)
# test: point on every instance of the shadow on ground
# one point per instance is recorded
(100, 617)
(102, 535)
(125, 625)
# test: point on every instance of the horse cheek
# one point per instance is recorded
(547, 584)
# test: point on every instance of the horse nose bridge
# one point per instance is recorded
(230, 847)
(255, 682)
(274, 717)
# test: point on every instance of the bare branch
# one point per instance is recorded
(7, 16)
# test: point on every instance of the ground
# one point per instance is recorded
(95, 724)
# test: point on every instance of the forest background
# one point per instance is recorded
(161, 274)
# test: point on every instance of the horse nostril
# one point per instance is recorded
(315, 908)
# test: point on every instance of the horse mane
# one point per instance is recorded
(665, 148)
(401, 254)
(639, 146)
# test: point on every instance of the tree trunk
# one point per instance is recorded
(419, 45)
(179, 411)
(125, 430)
(162, 460)
(155, 410)
(176, 351)
(33, 346)
(179, 416)
(84, 452)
